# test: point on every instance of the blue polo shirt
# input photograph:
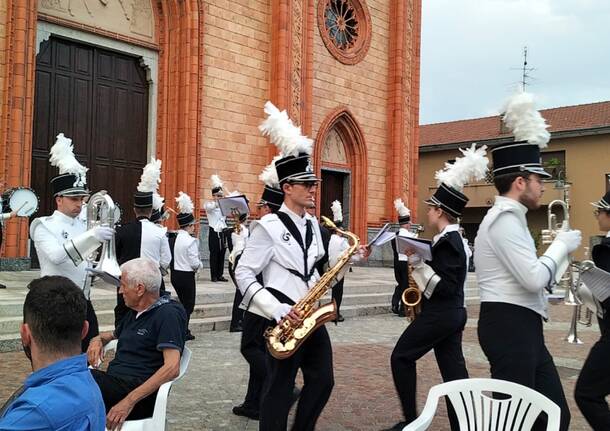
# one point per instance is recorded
(62, 396)
(142, 339)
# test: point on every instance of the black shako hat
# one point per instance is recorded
(449, 199)
(295, 169)
(517, 157)
(65, 185)
(143, 199)
(272, 197)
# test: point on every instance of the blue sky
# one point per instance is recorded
(470, 49)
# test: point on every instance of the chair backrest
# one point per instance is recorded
(475, 409)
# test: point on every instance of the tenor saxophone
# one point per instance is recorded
(284, 339)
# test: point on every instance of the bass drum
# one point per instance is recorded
(22, 200)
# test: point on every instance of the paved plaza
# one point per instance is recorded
(363, 397)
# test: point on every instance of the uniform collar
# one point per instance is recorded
(64, 218)
(297, 219)
(505, 202)
(445, 231)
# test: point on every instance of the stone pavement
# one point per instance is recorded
(363, 398)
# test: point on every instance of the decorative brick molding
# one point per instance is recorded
(403, 103)
(346, 29)
(343, 121)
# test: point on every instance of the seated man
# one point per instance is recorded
(151, 339)
(60, 394)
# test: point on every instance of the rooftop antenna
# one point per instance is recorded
(525, 76)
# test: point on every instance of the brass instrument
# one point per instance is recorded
(237, 224)
(101, 211)
(284, 339)
(411, 297)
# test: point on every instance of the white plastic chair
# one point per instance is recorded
(157, 421)
(476, 409)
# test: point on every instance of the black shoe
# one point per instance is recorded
(398, 427)
(340, 318)
(395, 309)
(2, 286)
(246, 411)
(236, 328)
(189, 337)
(214, 280)
(221, 278)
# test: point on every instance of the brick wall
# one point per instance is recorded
(3, 55)
(363, 88)
(236, 86)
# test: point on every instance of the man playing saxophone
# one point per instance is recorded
(593, 384)
(285, 247)
(440, 324)
(512, 278)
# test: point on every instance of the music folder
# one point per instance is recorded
(108, 278)
(598, 281)
(422, 247)
(382, 236)
(231, 204)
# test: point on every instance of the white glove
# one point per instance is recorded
(103, 233)
(571, 238)
(280, 311)
(415, 260)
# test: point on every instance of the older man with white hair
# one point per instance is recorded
(150, 342)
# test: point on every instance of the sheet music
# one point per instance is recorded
(598, 281)
(423, 247)
(381, 237)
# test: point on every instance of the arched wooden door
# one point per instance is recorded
(99, 99)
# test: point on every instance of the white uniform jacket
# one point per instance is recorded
(186, 252)
(49, 235)
(273, 251)
(215, 218)
(507, 267)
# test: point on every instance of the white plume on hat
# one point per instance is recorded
(269, 174)
(402, 209)
(524, 121)
(335, 207)
(151, 176)
(158, 201)
(471, 167)
(216, 182)
(185, 203)
(283, 133)
(62, 156)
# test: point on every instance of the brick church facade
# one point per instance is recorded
(185, 81)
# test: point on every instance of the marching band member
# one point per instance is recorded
(252, 344)
(512, 278)
(62, 231)
(239, 236)
(593, 384)
(285, 247)
(401, 266)
(440, 323)
(185, 257)
(336, 245)
(217, 242)
(142, 238)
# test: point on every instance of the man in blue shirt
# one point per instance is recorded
(60, 394)
(151, 340)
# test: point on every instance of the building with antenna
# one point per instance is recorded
(578, 156)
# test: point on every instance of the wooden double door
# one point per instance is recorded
(99, 99)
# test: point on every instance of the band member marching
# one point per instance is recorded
(336, 245)
(62, 230)
(285, 247)
(401, 264)
(142, 238)
(440, 323)
(512, 278)
(593, 384)
(185, 257)
(252, 345)
(217, 242)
